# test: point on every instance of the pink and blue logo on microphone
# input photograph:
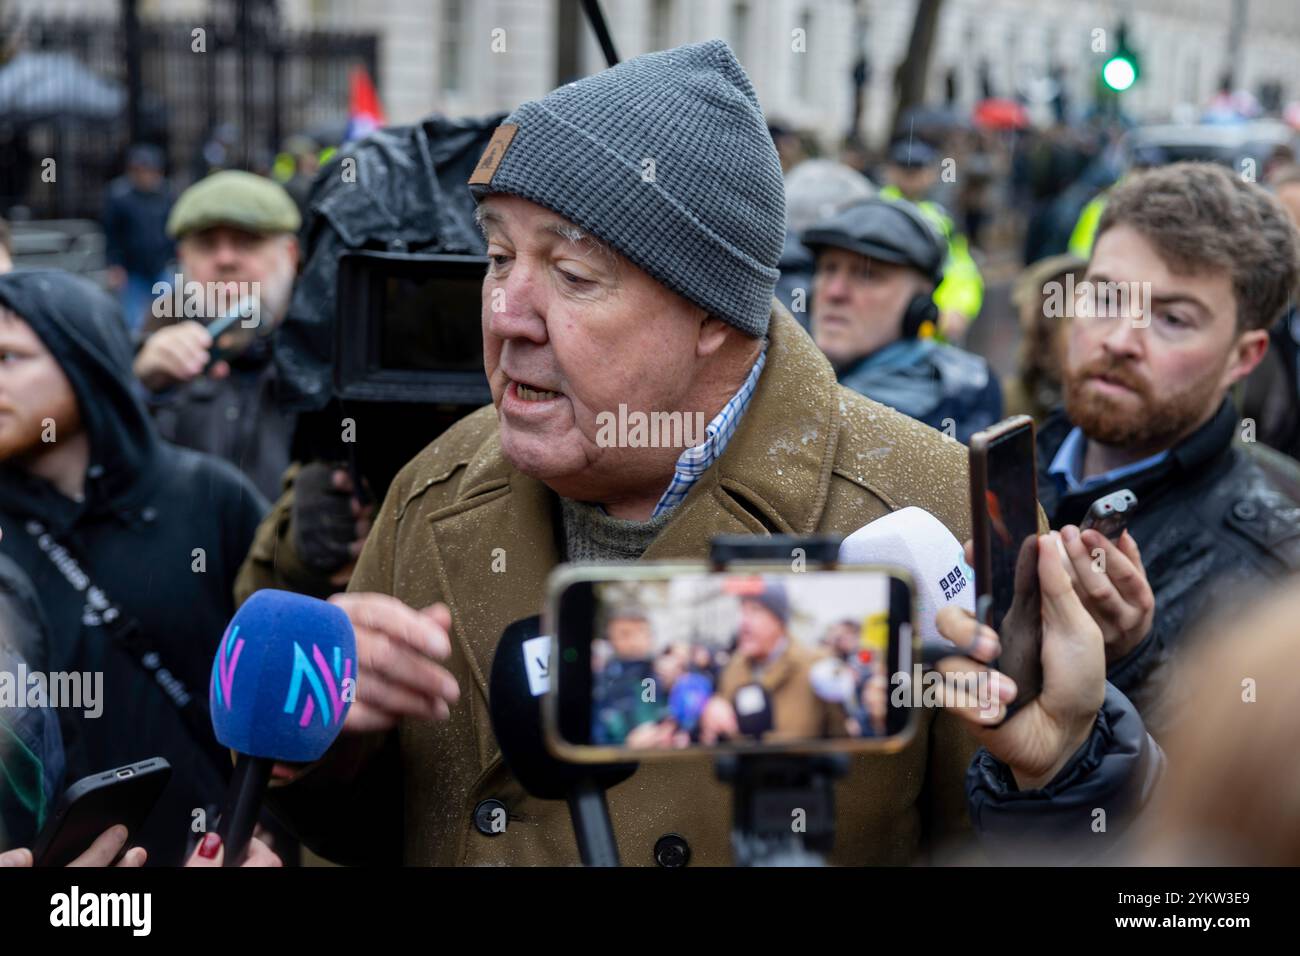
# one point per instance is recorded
(325, 685)
(283, 677)
(223, 668)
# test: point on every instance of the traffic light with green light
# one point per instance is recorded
(1120, 71)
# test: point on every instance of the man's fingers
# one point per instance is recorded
(380, 660)
(1062, 609)
(976, 639)
(400, 697)
(975, 692)
(388, 615)
(105, 848)
(19, 857)
(1079, 563)
(133, 858)
(1123, 573)
(440, 614)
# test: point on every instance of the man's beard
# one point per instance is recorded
(1158, 422)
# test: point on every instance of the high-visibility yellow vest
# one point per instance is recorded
(962, 288)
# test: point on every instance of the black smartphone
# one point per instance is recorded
(90, 806)
(1109, 514)
(1004, 522)
(658, 661)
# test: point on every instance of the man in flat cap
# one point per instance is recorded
(237, 250)
(877, 265)
(634, 221)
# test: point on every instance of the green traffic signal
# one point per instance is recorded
(1119, 73)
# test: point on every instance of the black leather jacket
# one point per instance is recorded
(1213, 527)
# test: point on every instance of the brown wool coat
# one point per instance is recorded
(809, 456)
(797, 712)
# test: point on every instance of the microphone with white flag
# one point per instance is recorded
(918, 542)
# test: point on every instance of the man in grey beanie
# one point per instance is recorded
(634, 221)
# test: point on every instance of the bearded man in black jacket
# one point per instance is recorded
(1190, 269)
(132, 544)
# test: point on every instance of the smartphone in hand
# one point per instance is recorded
(1004, 522)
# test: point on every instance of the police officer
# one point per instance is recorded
(911, 174)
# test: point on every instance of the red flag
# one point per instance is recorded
(365, 115)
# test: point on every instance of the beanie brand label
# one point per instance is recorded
(493, 154)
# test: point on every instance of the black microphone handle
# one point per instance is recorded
(243, 805)
(591, 826)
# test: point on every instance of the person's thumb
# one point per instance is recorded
(440, 614)
(1062, 610)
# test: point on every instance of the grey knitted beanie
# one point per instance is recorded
(667, 158)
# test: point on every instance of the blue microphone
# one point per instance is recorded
(283, 679)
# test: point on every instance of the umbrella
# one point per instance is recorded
(44, 86)
(1001, 114)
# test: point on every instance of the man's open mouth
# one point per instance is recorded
(529, 393)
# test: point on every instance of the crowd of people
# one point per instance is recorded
(152, 477)
(756, 681)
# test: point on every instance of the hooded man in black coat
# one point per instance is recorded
(132, 544)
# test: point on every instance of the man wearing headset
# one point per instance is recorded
(873, 314)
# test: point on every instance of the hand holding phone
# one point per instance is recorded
(98, 814)
(1004, 522)
(1049, 729)
(1112, 584)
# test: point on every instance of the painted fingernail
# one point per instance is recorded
(210, 846)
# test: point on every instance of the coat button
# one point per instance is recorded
(491, 817)
(672, 851)
(1245, 510)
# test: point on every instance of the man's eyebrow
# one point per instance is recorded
(1166, 298)
(484, 215)
(1174, 298)
(578, 236)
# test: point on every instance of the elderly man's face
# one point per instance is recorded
(224, 254)
(760, 631)
(631, 638)
(858, 303)
(571, 330)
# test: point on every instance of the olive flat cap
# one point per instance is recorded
(234, 198)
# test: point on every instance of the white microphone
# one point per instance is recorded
(918, 542)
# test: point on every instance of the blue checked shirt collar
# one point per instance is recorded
(695, 461)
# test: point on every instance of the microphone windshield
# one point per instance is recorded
(914, 539)
(283, 677)
(521, 673)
